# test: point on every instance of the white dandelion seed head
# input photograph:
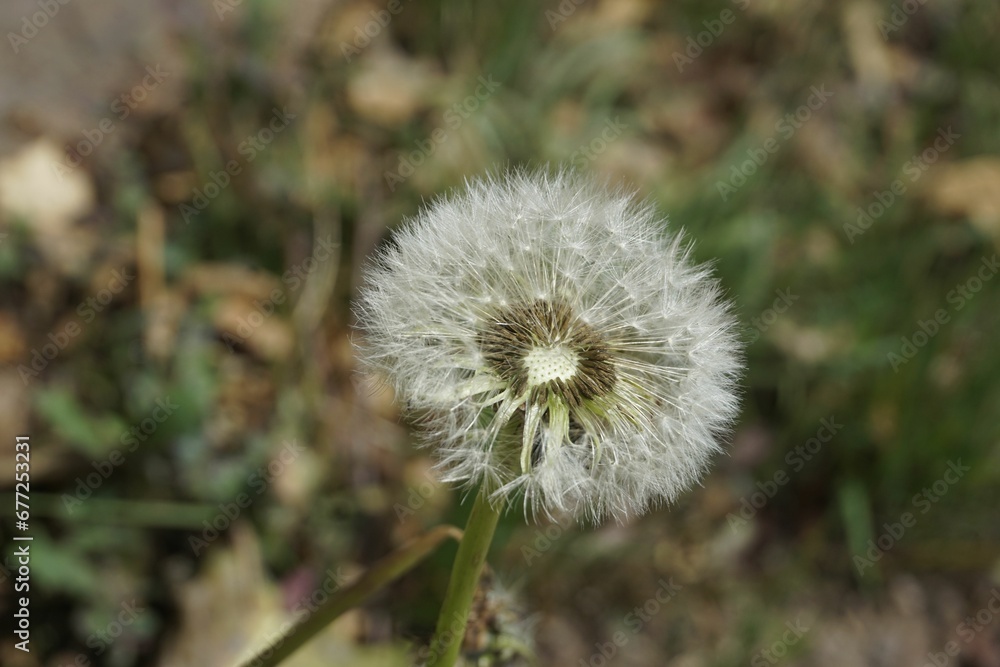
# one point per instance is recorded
(556, 342)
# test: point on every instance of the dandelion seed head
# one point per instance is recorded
(557, 343)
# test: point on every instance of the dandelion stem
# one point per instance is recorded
(447, 642)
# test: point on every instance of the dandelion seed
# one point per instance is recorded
(559, 344)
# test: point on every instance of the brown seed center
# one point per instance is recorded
(543, 348)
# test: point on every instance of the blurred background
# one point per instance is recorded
(189, 189)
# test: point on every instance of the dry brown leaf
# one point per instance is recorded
(229, 279)
(163, 318)
(14, 413)
(970, 188)
(640, 161)
(31, 188)
(12, 343)
(254, 324)
(616, 14)
(233, 609)
(388, 89)
(869, 53)
(831, 161)
(49, 200)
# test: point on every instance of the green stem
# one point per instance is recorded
(380, 575)
(111, 511)
(447, 642)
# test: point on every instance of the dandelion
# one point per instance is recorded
(556, 344)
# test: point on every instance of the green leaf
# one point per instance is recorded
(855, 510)
(92, 435)
(60, 569)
